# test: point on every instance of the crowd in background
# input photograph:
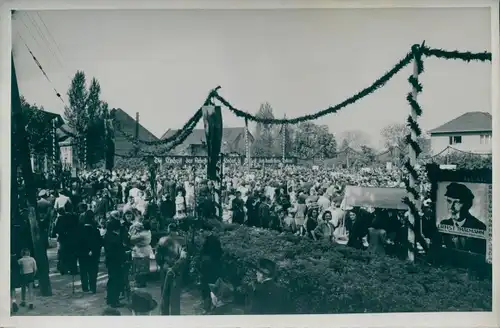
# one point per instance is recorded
(119, 210)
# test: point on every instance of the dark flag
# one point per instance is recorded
(212, 120)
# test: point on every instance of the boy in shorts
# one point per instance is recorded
(28, 269)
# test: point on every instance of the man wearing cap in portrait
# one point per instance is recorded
(459, 199)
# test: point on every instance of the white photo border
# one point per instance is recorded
(455, 319)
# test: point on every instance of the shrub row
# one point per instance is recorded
(326, 278)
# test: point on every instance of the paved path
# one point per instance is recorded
(64, 302)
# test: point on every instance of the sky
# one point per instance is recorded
(163, 63)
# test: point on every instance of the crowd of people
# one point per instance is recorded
(119, 211)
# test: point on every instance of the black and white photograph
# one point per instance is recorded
(462, 212)
(254, 161)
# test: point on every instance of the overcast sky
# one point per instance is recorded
(163, 63)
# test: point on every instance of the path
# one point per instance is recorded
(64, 302)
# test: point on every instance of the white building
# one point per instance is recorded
(470, 132)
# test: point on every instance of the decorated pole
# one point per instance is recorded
(283, 143)
(54, 147)
(212, 121)
(413, 199)
(85, 153)
(247, 146)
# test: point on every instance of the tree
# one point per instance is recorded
(265, 134)
(394, 137)
(314, 141)
(85, 115)
(367, 156)
(354, 139)
(38, 127)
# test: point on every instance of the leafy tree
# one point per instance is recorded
(265, 134)
(85, 115)
(354, 139)
(38, 127)
(314, 141)
(367, 156)
(394, 137)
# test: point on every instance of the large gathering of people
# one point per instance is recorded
(119, 212)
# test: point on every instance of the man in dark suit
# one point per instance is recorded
(459, 200)
(89, 252)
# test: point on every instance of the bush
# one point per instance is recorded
(326, 278)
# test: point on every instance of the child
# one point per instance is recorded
(180, 206)
(28, 270)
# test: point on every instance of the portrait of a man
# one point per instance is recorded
(459, 199)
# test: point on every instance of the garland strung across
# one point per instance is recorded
(177, 133)
(333, 109)
(422, 51)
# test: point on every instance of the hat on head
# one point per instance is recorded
(42, 193)
(266, 267)
(114, 215)
(459, 191)
(142, 302)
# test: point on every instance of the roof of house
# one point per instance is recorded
(127, 124)
(468, 122)
(197, 137)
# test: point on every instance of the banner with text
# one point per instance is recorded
(228, 160)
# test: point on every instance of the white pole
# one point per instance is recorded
(413, 162)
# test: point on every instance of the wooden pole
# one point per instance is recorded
(283, 145)
(247, 146)
(413, 163)
(137, 133)
(39, 238)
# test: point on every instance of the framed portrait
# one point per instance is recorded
(462, 203)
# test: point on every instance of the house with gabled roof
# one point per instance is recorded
(470, 132)
(233, 142)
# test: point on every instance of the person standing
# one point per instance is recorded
(115, 260)
(28, 270)
(171, 257)
(210, 267)
(89, 251)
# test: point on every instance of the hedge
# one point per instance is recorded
(328, 278)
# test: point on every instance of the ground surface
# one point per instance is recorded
(64, 302)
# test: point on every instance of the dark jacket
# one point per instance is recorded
(269, 298)
(115, 250)
(468, 244)
(89, 241)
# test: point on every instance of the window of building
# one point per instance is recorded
(455, 140)
(485, 139)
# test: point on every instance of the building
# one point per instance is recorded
(127, 123)
(233, 142)
(470, 132)
(123, 146)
